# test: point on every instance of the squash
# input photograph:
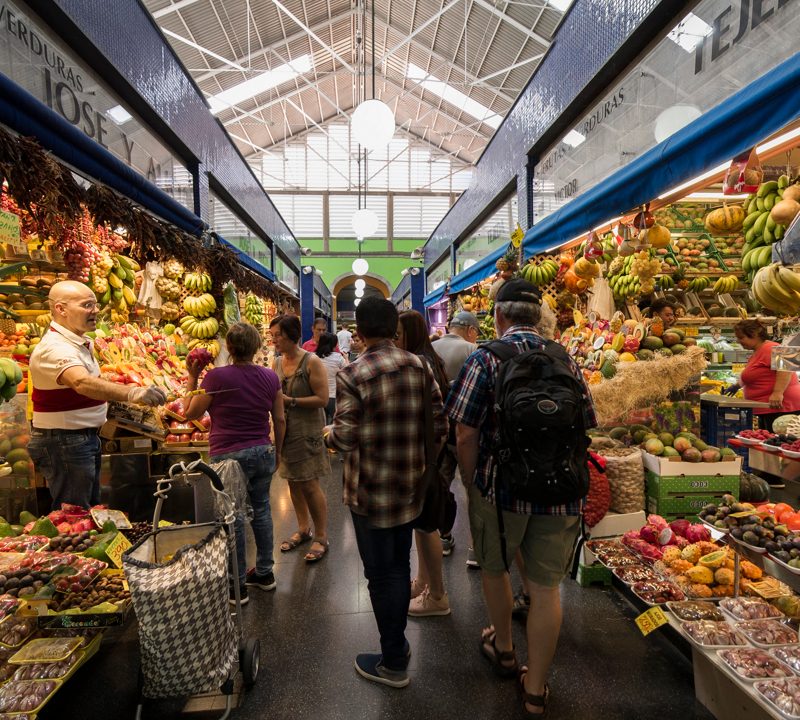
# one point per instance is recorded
(725, 220)
(658, 236)
(573, 283)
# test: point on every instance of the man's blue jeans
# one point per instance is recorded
(258, 464)
(69, 461)
(386, 554)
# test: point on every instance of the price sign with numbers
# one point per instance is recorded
(115, 549)
(517, 236)
(650, 620)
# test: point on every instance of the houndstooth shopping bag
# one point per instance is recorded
(178, 580)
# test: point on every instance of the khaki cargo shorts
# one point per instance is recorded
(547, 542)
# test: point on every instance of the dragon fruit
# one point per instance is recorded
(657, 521)
(667, 537)
(697, 533)
(649, 533)
(679, 527)
(643, 548)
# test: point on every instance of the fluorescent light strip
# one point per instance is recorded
(259, 84)
(715, 196)
(778, 141)
(705, 176)
(560, 5)
(453, 96)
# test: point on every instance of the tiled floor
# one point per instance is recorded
(320, 617)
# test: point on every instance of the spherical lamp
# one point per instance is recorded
(360, 284)
(357, 300)
(360, 266)
(359, 292)
(372, 124)
(673, 119)
(365, 222)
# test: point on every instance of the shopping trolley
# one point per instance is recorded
(178, 577)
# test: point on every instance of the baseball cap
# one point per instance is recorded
(518, 290)
(465, 319)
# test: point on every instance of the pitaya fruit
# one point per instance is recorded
(681, 541)
(667, 537)
(657, 521)
(680, 526)
(64, 528)
(698, 533)
(649, 533)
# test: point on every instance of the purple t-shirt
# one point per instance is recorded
(240, 419)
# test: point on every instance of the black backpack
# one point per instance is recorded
(540, 445)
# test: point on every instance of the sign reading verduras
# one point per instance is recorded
(39, 62)
(717, 49)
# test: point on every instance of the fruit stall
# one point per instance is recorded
(162, 292)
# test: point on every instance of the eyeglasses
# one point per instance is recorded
(89, 305)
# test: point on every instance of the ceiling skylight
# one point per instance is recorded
(259, 84)
(573, 138)
(119, 114)
(453, 96)
(689, 32)
(561, 5)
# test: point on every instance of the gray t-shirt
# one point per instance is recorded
(454, 351)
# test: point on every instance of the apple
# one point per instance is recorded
(205, 421)
(175, 424)
(172, 438)
(175, 406)
(184, 438)
(197, 436)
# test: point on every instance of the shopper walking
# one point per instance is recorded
(428, 595)
(344, 336)
(333, 362)
(356, 348)
(240, 430)
(380, 428)
(454, 349)
(70, 398)
(545, 535)
(304, 459)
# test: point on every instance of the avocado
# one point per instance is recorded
(6, 530)
(26, 517)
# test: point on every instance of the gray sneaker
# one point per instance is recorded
(448, 543)
(472, 561)
(370, 666)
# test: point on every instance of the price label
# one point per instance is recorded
(650, 620)
(165, 523)
(516, 236)
(115, 549)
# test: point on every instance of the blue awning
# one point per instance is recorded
(742, 121)
(434, 296)
(479, 271)
(247, 261)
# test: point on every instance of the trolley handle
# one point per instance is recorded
(212, 475)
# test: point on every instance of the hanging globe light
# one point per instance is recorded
(360, 284)
(359, 292)
(357, 300)
(360, 266)
(372, 124)
(365, 222)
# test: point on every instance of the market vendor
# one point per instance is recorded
(759, 381)
(665, 310)
(69, 398)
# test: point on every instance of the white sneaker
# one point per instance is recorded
(424, 605)
(472, 560)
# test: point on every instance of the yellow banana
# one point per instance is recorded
(789, 278)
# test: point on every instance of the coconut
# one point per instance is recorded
(785, 211)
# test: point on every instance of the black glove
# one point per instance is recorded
(731, 390)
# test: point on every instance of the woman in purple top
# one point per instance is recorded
(240, 430)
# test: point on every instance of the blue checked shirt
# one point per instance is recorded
(470, 403)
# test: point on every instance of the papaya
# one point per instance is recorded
(26, 517)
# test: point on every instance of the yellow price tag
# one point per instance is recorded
(116, 547)
(165, 523)
(650, 620)
(516, 236)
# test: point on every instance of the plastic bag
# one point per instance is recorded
(744, 175)
(625, 473)
(231, 311)
(601, 299)
(235, 482)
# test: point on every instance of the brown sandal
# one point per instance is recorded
(313, 556)
(504, 662)
(297, 538)
(539, 701)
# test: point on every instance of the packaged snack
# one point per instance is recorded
(744, 174)
(754, 664)
(789, 654)
(15, 630)
(749, 608)
(46, 650)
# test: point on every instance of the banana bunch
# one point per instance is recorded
(211, 345)
(698, 284)
(625, 286)
(253, 310)
(197, 281)
(540, 274)
(777, 288)
(121, 281)
(756, 258)
(44, 320)
(173, 269)
(550, 300)
(197, 328)
(201, 306)
(759, 228)
(610, 247)
(726, 284)
(665, 282)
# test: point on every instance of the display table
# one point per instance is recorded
(774, 463)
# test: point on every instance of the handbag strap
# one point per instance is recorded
(430, 445)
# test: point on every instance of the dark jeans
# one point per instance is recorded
(69, 460)
(386, 554)
(258, 464)
(330, 410)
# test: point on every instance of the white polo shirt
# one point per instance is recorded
(55, 405)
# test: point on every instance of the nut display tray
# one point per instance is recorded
(46, 650)
(690, 610)
(783, 694)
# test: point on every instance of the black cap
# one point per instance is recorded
(518, 290)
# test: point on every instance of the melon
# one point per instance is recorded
(658, 236)
(725, 220)
(645, 354)
(785, 211)
(654, 446)
(678, 348)
(627, 357)
(651, 342)
(670, 338)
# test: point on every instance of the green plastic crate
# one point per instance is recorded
(680, 505)
(593, 574)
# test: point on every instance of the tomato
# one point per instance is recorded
(781, 508)
(792, 521)
(785, 515)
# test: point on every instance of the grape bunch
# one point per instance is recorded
(79, 255)
(645, 267)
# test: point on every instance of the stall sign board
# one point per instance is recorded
(9, 231)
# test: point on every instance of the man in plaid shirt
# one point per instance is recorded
(379, 426)
(545, 536)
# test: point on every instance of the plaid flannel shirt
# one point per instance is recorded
(380, 427)
(470, 403)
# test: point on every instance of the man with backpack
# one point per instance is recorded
(522, 409)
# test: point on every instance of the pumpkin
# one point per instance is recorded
(658, 236)
(725, 220)
(566, 259)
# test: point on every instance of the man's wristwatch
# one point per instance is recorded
(293, 403)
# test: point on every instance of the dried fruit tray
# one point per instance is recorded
(767, 633)
(721, 631)
(783, 694)
(789, 654)
(657, 593)
(635, 573)
(751, 664)
(750, 608)
(17, 694)
(690, 610)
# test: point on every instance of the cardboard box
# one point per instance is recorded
(674, 467)
(663, 486)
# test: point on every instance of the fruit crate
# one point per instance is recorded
(596, 574)
(664, 487)
(719, 424)
(684, 506)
